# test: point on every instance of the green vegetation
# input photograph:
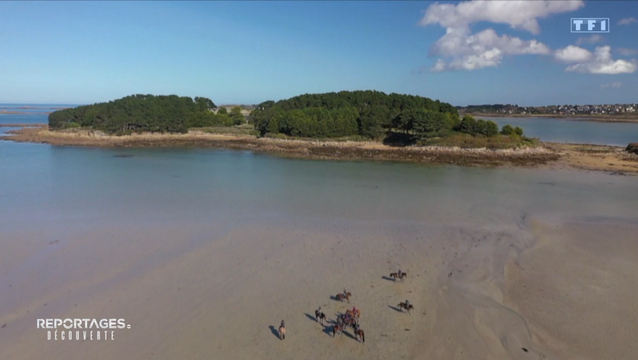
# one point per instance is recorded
(231, 130)
(495, 142)
(371, 114)
(397, 119)
(139, 113)
(362, 115)
(236, 116)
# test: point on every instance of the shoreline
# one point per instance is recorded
(554, 155)
(570, 117)
(13, 112)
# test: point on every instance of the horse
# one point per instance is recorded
(282, 332)
(347, 320)
(406, 307)
(396, 275)
(354, 314)
(360, 334)
(320, 316)
(337, 329)
(342, 296)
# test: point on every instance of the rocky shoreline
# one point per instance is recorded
(584, 157)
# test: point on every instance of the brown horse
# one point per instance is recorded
(405, 306)
(354, 314)
(347, 320)
(337, 329)
(282, 332)
(396, 276)
(320, 316)
(342, 296)
(359, 334)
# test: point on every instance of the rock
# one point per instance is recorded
(632, 148)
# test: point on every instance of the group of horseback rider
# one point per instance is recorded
(351, 317)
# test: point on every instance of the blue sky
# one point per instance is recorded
(249, 52)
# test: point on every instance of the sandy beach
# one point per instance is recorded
(553, 292)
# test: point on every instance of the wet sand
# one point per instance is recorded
(532, 290)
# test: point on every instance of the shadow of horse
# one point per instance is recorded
(350, 335)
(328, 330)
(311, 317)
(274, 331)
(395, 308)
(388, 278)
(332, 297)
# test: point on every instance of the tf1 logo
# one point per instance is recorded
(590, 25)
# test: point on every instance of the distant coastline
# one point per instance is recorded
(570, 156)
(573, 117)
(14, 112)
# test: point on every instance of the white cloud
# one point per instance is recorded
(572, 54)
(483, 49)
(602, 63)
(627, 21)
(616, 85)
(520, 15)
(452, 44)
(627, 51)
(590, 39)
(469, 51)
(439, 66)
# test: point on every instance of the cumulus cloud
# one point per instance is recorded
(616, 85)
(439, 66)
(594, 39)
(602, 63)
(627, 51)
(627, 21)
(467, 51)
(520, 15)
(572, 54)
(483, 49)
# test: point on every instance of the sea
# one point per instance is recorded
(52, 186)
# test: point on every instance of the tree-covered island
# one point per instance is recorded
(394, 119)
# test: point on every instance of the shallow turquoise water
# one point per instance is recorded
(43, 185)
(69, 185)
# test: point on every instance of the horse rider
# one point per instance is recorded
(345, 293)
(400, 273)
(354, 310)
(355, 326)
(319, 311)
(282, 324)
(407, 304)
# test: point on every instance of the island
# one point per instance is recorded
(339, 125)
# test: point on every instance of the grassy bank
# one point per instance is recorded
(466, 141)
